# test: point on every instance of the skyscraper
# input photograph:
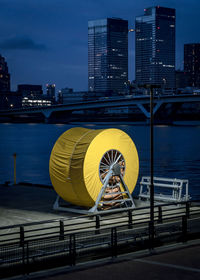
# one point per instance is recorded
(4, 76)
(192, 63)
(51, 91)
(107, 55)
(155, 47)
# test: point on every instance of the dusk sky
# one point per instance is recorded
(45, 41)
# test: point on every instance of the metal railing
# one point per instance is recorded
(34, 246)
(50, 228)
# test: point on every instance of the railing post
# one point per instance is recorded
(62, 231)
(27, 258)
(151, 235)
(23, 259)
(187, 209)
(130, 219)
(72, 249)
(184, 228)
(114, 242)
(160, 220)
(21, 236)
(97, 231)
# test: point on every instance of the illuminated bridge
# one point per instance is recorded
(164, 107)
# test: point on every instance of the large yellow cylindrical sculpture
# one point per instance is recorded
(76, 158)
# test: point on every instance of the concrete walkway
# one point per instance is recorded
(177, 263)
(25, 204)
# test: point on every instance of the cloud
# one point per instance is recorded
(21, 43)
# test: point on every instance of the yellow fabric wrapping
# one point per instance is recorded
(75, 159)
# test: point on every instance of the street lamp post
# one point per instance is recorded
(151, 233)
(151, 224)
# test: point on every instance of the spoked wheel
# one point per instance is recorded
(110, 158)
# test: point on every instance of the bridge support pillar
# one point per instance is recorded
(145, 112)
(47, 115)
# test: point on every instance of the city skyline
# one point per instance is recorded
(46, 41)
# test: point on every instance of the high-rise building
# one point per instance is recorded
(182, 79)
(4, 76)
(155, 47)
(51, 91)
(107, 55)
(192, 63)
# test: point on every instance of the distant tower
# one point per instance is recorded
(4, 76)
(107, 55)
(155, 47)
(51, 91)
(192, 63)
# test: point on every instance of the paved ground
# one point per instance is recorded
(24, 204)
(178, 264)
(21, 204)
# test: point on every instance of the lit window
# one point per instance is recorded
(168, 65)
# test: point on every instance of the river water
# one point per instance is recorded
(177, 151)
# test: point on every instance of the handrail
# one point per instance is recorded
(81, 223)
(94, 215)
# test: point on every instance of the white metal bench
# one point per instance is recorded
(177, 189)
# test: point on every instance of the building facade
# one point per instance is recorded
(35, 101)
(192, 63)
(51, 91)
(32, 96)
(29, 90)
(69, 96)
(4, 76)
(182, 79)
(155, 48)
(107, 55)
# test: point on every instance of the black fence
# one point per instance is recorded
(32, 247)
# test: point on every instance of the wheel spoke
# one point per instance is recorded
(106, 165)
(109, 158)
(104, 168)
(106, 160)
(115, 156)
(103, 173)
